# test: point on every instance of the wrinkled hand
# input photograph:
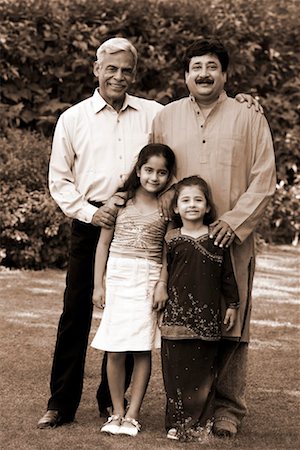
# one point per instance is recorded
(99, 297)
(222, 234)
(104, 217)
(165, 204)
(251, 101)
(160, 296)
(230, 318)
(118, 199)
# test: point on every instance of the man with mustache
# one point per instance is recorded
(231, 147)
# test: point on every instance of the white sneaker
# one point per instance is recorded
(130, 427)
(172, 434)
(112, 425)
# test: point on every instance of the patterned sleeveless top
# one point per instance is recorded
(138, 235)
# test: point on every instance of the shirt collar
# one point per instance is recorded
(99, 103)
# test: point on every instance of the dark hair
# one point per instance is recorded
(132, 183)
(195, 180)
(206, 46)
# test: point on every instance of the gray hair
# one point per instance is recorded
(115, 45)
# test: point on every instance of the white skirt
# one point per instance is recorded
(128, 322)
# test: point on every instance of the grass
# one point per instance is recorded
(30, 308)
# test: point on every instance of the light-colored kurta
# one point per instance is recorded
(232, 150)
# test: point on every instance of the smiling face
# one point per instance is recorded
(205, 79)
(191, 204)
(154, 174)
(115, 74)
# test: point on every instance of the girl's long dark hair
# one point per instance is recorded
(132, 183)
(195, 180)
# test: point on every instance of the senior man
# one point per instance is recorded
(94, 145)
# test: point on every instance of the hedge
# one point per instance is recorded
(33, 231)
(47, 49)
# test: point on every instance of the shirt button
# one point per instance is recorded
(201, 126)
(203, 141)
(119, 139)
(120, 157)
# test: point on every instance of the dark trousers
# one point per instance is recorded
(74, 325)
(231, 386)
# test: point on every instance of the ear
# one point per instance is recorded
(186, 76)
(225, 77)
(96, 68)
(133, 76)
(176, 211)
(207, 209)
(138, 172)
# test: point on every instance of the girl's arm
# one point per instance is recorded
(100, 266)
(160, 295)
(230, 291)
(230, 318)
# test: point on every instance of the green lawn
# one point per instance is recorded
(30, 308)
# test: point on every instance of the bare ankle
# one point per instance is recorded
(132, 414)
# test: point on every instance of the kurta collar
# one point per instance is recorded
(99, 103)
(222, 97)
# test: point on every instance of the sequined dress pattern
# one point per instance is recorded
(199, 273)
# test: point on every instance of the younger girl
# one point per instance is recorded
(129, 322)
(196, 276)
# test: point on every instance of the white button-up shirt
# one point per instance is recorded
(94, 148)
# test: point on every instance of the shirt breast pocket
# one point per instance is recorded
(230, 151)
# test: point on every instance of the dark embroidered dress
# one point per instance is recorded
(199, 273)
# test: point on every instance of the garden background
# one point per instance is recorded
(47, 49)
(47, 54)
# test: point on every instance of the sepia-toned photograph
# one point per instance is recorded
(149, 224)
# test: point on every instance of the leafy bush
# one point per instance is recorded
(33, 231)
(281, 221)
(47, 51)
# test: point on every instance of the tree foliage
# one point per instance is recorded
(47, 50)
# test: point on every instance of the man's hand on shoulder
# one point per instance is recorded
(222, 234)
(251, 101)
(165, 204)
(104, 217)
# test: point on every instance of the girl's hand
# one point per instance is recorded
(230, 318)
(160, 296)
(99, 297)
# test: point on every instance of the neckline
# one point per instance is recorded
(192, 237)
(141, 213)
